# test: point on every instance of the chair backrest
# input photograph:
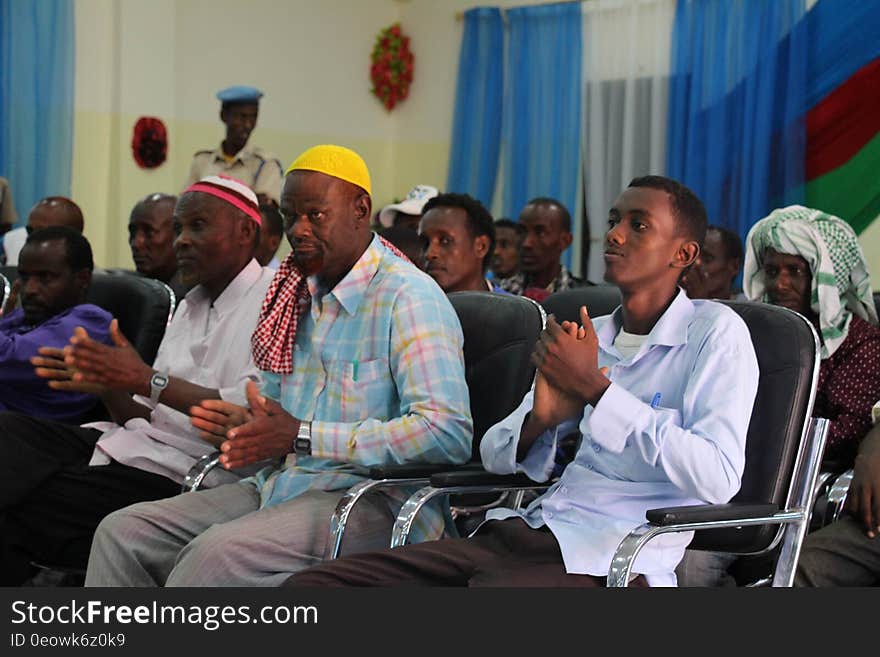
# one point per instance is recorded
(599, 300)
(142, 306)
(500, 332)
(787, 350)
(175, 298)
(877, 302)
(9, 272)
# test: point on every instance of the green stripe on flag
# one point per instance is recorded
(852, 190)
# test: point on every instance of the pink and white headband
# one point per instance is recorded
(233, 191)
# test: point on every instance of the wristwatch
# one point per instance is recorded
(302, 445)
(158, 383)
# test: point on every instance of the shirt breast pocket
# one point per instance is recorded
(666, 415)
(357, 390)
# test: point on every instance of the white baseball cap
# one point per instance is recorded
(412, 204)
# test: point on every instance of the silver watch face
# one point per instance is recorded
(159, 380)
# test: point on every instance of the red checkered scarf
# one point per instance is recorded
(286, 300)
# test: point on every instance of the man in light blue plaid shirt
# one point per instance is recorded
(375, 376)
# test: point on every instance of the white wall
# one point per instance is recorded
(168, 58)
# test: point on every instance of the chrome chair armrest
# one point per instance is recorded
(629, 548)
(416, 502)
(352, 496)
(199, 471)
(387, 476)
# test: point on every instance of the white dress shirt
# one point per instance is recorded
(13, 242)
(206, 344)
(670, 430)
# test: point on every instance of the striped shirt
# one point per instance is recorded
(379, 371)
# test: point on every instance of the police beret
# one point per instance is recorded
(239, 94)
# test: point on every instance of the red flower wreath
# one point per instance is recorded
(392, 69)
(149, 144)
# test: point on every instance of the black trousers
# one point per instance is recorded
(51, 500)
(504, 553)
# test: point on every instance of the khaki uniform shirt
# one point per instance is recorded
(254, 167)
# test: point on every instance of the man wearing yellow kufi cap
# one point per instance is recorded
(362, 365)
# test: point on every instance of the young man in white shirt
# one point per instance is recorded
(661, 392)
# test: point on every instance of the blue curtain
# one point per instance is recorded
(843, 38)
(36, 98)
(542, 106)
(736, 132)
(476, 129)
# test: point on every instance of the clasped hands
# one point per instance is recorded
(245, 435)
(569, 376)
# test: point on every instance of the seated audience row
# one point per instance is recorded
(361, 355)
(60, 480)
(213, 557)
(335, 379)
(458, 245)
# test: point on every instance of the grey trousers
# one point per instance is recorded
(220, 537)
(702, 568)
(840, 554)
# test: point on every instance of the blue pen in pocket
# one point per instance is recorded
(354, 370)
(656, 401)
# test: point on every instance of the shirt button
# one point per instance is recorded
(564, 489)
(589, 467)
(596, 447)
(549, 514)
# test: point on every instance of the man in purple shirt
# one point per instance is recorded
(55, 270)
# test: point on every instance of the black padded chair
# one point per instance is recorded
(564, 305)
(9, 272)
(877, 302)
(500, 332)
(784, 448)
(599, 300)
(143, 307)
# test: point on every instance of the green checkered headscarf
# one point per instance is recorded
(841, 284)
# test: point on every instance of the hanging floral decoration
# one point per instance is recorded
(149, 144)
(392, 69)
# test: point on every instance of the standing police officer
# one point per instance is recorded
(250, 164)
